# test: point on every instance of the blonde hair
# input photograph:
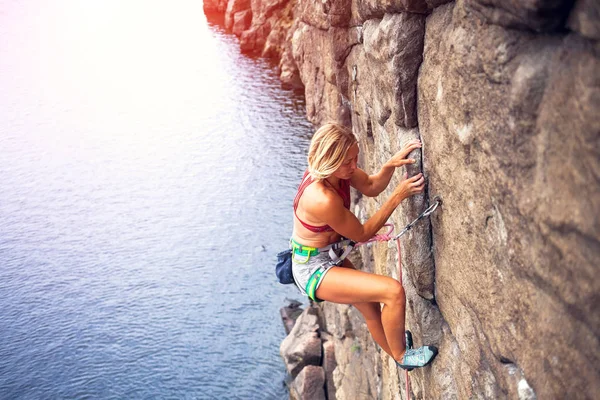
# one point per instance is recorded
(328, 149)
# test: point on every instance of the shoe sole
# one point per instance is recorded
(434, 350)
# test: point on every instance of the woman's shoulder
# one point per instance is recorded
(318, 194)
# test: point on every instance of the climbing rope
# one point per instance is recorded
(383, 237)
(406, 379)
(387, 236)
(436, 202)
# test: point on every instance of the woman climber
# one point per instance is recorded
(322, 216)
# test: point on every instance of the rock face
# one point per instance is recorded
(302, 352)
(503, 279)
(289, 315)
(214, 6)
(496, 109)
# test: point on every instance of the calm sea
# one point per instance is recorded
(147, 171)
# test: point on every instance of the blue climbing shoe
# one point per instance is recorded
(416, 358)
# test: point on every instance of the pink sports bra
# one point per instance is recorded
(343, 191)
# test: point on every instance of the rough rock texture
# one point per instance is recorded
(289, 73)
(585, 18)
(537, 15)
(233, 8)
(309, 384)
(213, 6)
(271, 20)
(241, 22)
(302, 346)
(289, 315)
(511, 131)
(510, 123)
(505, 96)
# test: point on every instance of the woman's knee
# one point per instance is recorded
(395, 293)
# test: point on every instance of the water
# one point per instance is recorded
(147, 171)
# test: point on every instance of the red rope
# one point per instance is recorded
(400, 279)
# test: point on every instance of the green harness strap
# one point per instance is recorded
(311, 285)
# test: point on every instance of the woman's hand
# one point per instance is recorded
(410, 186)
(399, 159)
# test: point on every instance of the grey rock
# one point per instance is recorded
(318, 74)
(387, 73)
(290, 314)
(302, 346)
(357, 373)
(329, 363)
(309, 384)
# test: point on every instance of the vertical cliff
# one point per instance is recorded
(505, 96)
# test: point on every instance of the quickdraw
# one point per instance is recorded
(435, 203)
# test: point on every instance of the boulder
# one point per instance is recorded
(329, 363)
(309, 384)
(289, 315)
(318, 74)
(290, 75)
(253, 40)
(275, 43)
(241, 22)
(302, 346)
(387, 70)
(234, 7)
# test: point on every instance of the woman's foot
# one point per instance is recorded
(416, 358)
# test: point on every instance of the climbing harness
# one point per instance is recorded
(303, 253)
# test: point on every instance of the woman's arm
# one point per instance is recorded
(331, 210)
(373, 185)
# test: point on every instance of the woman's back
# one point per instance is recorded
(307, 228)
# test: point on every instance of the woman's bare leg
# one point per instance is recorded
(349, 286)
(371, 312)
(372, 315)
